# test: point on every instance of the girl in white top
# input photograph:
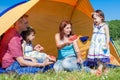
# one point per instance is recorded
(99, 47)
(35, 52)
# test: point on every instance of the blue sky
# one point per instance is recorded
(111, 8)
(6, 5)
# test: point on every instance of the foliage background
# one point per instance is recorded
(114, 28)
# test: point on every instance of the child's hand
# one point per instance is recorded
(47, 62)
(34, 60)
(41, 48)
(38, 48)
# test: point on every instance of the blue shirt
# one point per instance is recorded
(66, 51)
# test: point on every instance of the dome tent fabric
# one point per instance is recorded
(13, 12)
(45, 17)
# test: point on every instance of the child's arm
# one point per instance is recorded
(107, 35)
(30, 58)
(25, 57)
(38, 47)
(23, 46)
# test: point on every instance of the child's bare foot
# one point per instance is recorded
(99, 70)
(93, 71)
(105, 71)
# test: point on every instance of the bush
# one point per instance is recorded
(114, 27)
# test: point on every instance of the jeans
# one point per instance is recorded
(68, 64)
(15, 67)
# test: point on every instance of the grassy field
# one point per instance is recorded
(113, 74)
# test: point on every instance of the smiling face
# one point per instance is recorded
(31, 36)
(28, 35)
(67, 29)
(97, 19)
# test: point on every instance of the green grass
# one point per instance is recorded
(113, 74)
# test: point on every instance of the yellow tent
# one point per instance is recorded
(45, 17)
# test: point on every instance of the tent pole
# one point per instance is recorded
(77, 2)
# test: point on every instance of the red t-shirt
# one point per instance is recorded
(10, 47)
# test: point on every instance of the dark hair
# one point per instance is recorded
(100, 14)
(26, 33)
(63, 24)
